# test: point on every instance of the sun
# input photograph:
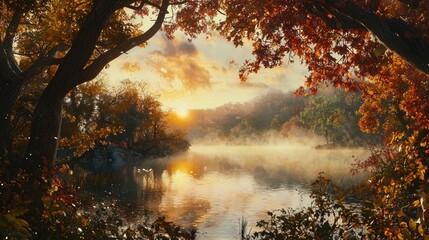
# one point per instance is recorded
(182, 112)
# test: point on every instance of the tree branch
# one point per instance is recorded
(8, 66)
(138, 7)
(142, 3)
(6, 52)
(82, 47)
(395, 34)
(91, 71)
(39, 66)
(11, 29)
(179, 2)
(411, 3)
(156, 6)
(334, 20)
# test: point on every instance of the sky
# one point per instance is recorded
(199, 74)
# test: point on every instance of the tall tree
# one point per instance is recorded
(70, 43)
(96, 32)
(380, 48)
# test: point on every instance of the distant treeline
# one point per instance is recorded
(332, 114)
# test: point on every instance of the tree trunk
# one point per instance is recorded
(46, 121)
(9, 93)
(45, 131)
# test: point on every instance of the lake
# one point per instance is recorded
(211, 188)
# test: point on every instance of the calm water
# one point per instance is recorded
(211, 187)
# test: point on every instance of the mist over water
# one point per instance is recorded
(212, 186)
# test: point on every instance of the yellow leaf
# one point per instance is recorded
(349, 75)
(420, 230)
(412, 224)
(401, 214)
(416, 203)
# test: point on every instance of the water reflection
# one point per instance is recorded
(211, 188)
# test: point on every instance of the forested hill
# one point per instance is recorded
(332, 115)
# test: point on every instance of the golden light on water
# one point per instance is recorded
(212, 186)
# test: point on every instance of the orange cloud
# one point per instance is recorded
(181, 61)
(130, 67)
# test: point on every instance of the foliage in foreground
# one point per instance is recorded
(333, 216)
(66, 216)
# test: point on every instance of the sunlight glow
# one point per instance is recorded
(181, 112)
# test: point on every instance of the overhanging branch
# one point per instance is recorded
(334, 20)
(395, 34)
(91, 71)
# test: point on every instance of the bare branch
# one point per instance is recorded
(220, 12)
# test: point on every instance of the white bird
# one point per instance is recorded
(140, 170)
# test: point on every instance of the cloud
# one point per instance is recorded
(194, 76)
(202, 73)
(180, 61)
(130, 66)
(252, 84)
(174, 47)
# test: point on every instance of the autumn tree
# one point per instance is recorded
(69, 43)
(379, 48)
(89, 117)
(95, 116)
(335, 39)
(73, 41)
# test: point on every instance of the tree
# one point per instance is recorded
(333, 38)
(324, 116)
(380, 48)
(69, 43)
(333, 114)
(94, 116)
(96, 32)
